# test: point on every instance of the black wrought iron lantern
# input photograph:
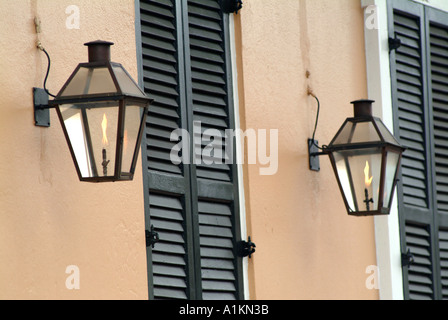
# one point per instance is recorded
(365, 157)
(102, 112)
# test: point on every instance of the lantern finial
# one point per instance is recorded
(363, 108)
(99, 50)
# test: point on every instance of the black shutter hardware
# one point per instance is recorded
(152, 237)
(394, 44)
(246, 248)
(230, 6)
(407, 259)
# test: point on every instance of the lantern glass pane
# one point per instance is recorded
(356, 132)
(127, 85)
(344, 135)
(391, 169)
(92, 131)
(365, 132)
(359, 173)
(90, 81)
(74, 125)
(387, 135)
(132, 122)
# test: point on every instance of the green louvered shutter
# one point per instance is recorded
(166, 185)
(194, 207)
(437, 24)
(411, 113)
(216, 183)
(419, 89)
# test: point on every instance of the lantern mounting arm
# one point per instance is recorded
(314, 150)
(317, 154)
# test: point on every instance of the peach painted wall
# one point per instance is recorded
(307, 246)
(49, 219)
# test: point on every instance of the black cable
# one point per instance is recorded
(317, 116)
(315, 125)
(48, 71)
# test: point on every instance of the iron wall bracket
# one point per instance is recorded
(41, 108)
(313, 154)
(246, 248)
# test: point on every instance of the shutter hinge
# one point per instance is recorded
(152, 237)
(407, 259)
(246, 248)
(230, 6)
(394, 44)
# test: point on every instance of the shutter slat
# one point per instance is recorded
(420, 276)
(443, 253)
(166, 208)
(169, 253)
(158, 27)
(217, 257)
(210, 105)
(410, 113)
(439, 56)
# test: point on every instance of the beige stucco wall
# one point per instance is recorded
(49, 219)
(307, 246)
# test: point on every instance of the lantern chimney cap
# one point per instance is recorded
(363, 107)
(99, 50)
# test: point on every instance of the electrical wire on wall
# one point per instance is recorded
(37, 24)
(311, 93)
(313, 145)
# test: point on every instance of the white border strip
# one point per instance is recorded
(239, 152)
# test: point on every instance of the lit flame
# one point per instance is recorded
(104, 127)
(367, 180)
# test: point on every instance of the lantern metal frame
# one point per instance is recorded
(99, 57)
(118, 175)
(363, 114)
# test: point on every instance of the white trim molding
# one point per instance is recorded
(239, 151)
(387, 232)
